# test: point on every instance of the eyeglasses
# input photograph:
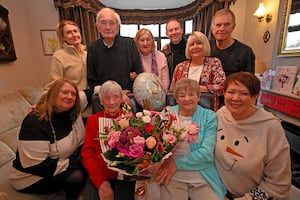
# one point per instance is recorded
(105, 23)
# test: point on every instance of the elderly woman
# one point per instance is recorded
(252, 153)
(48, 157)
(191, 172)
(69, 61)
(103, 182)
(153, 61)
(207, 71)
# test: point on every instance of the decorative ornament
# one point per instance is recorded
(267, 36)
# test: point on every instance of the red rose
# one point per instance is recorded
(149, 128)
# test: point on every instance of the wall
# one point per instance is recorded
(26, 18)
(251, 32)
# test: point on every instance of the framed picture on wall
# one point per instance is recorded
(7, 49)
(49, 41)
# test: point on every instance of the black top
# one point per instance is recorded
(112, 63)
(237, 57)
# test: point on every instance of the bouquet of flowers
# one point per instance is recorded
(134, 144)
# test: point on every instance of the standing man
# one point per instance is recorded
(234, 55)
(175, 51)
(111, 57)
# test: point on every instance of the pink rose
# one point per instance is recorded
(113, 138)
(169, 138)
(135, 151)
(150, 142)
(139, 140)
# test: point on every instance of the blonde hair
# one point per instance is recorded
(44, 108)
(197, 36)
(142, 32)
(60, 30)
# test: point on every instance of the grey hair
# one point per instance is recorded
(108, 86)
(117, 16)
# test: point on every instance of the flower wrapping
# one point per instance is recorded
(138, 144)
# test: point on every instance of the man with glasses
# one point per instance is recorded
(111, 57)
(234, 55)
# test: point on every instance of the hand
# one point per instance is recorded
(105, 192)
(132, 75)
(166, 171)
(125, 98)
(165, 47)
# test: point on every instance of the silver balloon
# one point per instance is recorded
(148, 87)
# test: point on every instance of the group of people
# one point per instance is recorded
(57, 151)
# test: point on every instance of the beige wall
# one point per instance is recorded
(26, 18)
(251, 32)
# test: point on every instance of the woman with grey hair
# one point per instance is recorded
(103, 182)
(191, 172)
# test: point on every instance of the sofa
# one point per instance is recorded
(13, 108)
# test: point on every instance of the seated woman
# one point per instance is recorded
(252, 153)
(191, 172)
(48, 156)
(103, 182)
(153, 61)
(207, 71)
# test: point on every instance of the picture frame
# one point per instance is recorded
(50, 41)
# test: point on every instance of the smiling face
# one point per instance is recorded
(174, 31)
(145, 42)
(71, 35)
(196, 49)
(223, 26)
(107, 25)
(187, 99)
(238, 100)
(65, 98)
(111, 101)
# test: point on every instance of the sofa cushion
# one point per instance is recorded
(31, 94)
(6, 154)
(13, 108)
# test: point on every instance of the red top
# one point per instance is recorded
(91, 152)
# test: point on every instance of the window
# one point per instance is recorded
(158, 31)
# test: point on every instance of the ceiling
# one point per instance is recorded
(145, 4)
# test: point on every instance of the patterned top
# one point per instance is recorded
(212, 75)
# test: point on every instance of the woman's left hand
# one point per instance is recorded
(166, 171)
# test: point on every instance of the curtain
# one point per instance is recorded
(83, 12)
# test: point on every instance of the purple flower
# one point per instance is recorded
(135, 151)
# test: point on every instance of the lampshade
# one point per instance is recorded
(261, 11)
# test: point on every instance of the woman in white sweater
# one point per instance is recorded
(252, 153)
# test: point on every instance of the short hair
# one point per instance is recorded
(187, 84)
(173, 19)
(109, 86)
(60, 30)
(224, 11)
(197, 36)
(249, 80)
(140, 33)
(44, 108)
(106, 9)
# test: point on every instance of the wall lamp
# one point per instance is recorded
(261, 12)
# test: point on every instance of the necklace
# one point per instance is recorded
(54, 135)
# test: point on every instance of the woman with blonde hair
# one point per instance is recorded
(69, 61)
(199, 66)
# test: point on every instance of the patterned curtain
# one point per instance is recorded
(83, 12)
